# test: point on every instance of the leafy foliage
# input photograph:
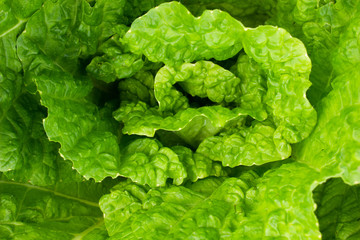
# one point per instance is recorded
(192, 119)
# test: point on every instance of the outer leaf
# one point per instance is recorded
(63, 211)
(51, 58)
(136, 8)
(202, 79)
(278, 205)
(338, 210)
(87, 138)
(174, 212)
(13, 104)
(26, 153)
(246, 146)
(333, 147)
(170, 34)
(191, 124)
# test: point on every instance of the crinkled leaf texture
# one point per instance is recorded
(256, 144)
(191, 124)
(319, 25)
(147, 161)
(58, 39)
(170, 34)
(202, 79)
(277, 205)
(276, 61)
(62, 211)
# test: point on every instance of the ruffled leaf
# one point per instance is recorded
(170, 34)
(192, 124)
(62, 211)
(203, 79)
(277, 205)
(255, 145)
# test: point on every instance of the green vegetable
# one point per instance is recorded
(193, 119)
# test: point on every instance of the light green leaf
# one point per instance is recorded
(274, 54)
(63, 211)
(277, 205)
(253, 86)
(338, 210)
(192, 124)
(202, 79)
(197, 165)
(146, 161)
(170, 34)
(287, 67)
(247, 146)
(173, 212)
(280, 205)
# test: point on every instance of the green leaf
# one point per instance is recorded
(11, 127)
(288, 67)
(333, 147)
(51, 59)
(25, 152)
(197, 165)
(202, 79)
(136, 8)
(138, 88)
(253, 86)
(282, 58)
(87, 139)
(62, 211)
(147, 162)
(318, 24)
(280, 205)
(170, 34)
(192, 124)
(115, 62)
(173, 212)
(257, 144)
(338, 210)
(277, 205)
